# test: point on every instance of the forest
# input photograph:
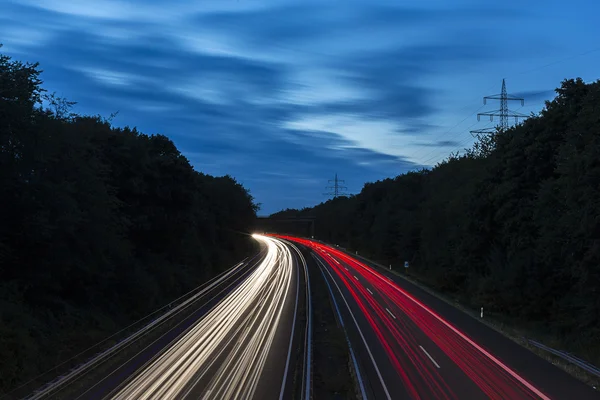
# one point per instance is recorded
(512, 224)
(98, 225)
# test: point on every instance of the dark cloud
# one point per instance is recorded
(440, 143)
(395, 101)
(294, 23)
(392, 83)
(163, 61)
(227, 113)
(534, 96)
(417, 126)
(284, 168)
(332, 145)
(237, 81)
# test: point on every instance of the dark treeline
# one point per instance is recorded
(512, 225)
(98, 226)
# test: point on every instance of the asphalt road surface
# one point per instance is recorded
(242, 341)
(411, 345)
(247, 334)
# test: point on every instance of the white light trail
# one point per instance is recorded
(227, 349)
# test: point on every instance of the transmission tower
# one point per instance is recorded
(504, 113)
(336, 189)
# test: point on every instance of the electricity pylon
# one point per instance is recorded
(336, 188)
(504, 113)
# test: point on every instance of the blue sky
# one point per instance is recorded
(283, 94)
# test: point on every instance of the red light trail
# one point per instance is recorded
(377, 295)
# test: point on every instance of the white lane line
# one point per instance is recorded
(168, 375)
(431, 358)
(175, 310)
(355, 277)
(356, 369)
(467, 339)
(308, 343)
(386, 309)
(369, 290)
(362, 336)
(346, 268)
(289, 356)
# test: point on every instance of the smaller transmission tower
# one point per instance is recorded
(336, 189)
(504, 113)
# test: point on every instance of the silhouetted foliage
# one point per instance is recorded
(98, 225)
(513, 224)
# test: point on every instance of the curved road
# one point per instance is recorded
(247, 334)
(248, 337)
(410, 345)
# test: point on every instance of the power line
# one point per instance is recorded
(512, 75)
(487, 129)
(559, 61)
(504, 113)
(459, 148)
(430, 155)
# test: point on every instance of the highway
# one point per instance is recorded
(247, 334)
(412, 346)
(248, 337)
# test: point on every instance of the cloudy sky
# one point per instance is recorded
(283, 94)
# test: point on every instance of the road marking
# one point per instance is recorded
(431, 358)
(355, 277)
(362, 336)
(214, 282)
(287, 363)
(369, 290)
(386, 309)
(346, 268)
(356, 368)
(308, 343)
(471, 342)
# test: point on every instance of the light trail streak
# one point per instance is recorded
(494, 378)
(307, 374)
(228, 347)
(357, 370)
(419, 380)
(190, 299)
(362, 336)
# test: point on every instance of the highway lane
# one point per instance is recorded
(192, 306)
(412, 351)
(240, 344)
(402, 368)
(369, 360)
(413, 344)
(544, 376)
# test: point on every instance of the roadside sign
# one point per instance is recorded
(405, 264)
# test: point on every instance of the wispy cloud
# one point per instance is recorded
(283, 94)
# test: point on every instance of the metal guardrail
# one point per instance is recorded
(592, 369)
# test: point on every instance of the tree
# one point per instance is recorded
(512, 224)
(99, 225)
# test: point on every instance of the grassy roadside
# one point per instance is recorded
(502, 326)
(333, 377)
